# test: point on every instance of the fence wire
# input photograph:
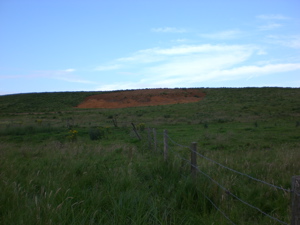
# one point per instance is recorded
(183, 146)
(214, 205)
(228, 192)
(243, 174)
(225, 167)
(222, 187)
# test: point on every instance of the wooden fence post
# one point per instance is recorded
(194, 159)
(295, 200)
(165, 145)
(155, 140)
(135, 131)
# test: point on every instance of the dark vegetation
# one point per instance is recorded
(64, 165)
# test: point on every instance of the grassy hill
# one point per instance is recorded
(64, 165)
(41, 102)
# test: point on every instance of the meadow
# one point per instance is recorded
(63, 165)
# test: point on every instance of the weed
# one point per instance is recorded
(141, 127)
(73, 135)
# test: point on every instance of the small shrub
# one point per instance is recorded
(96, 133)
(39, 121)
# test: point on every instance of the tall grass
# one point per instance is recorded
(47, 179)
(83, 184)
(79, 183)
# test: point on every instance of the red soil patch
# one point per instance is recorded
(145, 97)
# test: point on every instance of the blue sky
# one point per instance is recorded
(64, 45)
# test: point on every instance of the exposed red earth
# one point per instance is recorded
(142, 97)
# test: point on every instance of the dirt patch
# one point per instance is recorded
(145, 97)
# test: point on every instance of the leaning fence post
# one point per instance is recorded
(194, 159)
(295, 200)
(165, 145)
(135, 131)
(155, 140)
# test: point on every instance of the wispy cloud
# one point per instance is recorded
(107, 67)
(168, 30)
(271, 21)
(272, 17)
(65, 75)
(182, 57)
(253, 71)
(69, 70)
(291, 41)
(189, 65)
(223, 35)
(211, 75)
(270, 26)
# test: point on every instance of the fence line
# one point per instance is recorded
(295, 191)
(243, 174)
(246, 203)
(214, 205)
(228, 192)
(295, 200)
(224, 214)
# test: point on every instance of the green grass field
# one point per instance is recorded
(64, 165)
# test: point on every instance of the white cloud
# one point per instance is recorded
(271, 21)
(122, 86)
(69, 70)
(181, 58)
(219, 75)
(270, 26)
(5, 93)
(107, 67)
(244, 71)
(292, 41)
(261, 52)
(272, 17)
(65, 75)
(182, 40)
(168, 30)
(223, 35)
(189, 65)
(183, 50)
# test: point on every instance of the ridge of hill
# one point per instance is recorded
(285, 100)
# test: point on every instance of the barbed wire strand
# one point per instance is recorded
(246, 203)
(243, 174)
(227, 191)
(223, 213)
(225, 167)
(217, 208)
(183, 146)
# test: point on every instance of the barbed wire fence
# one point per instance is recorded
(162, 145)
(158, 142)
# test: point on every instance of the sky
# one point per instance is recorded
(100, 45)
